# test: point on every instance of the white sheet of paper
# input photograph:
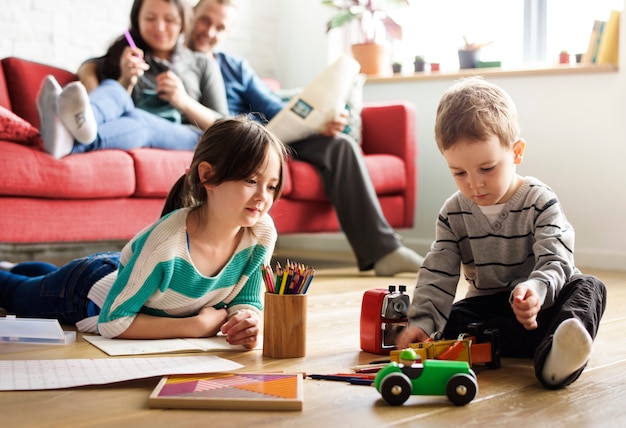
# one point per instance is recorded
(19, 375)
(117, 347)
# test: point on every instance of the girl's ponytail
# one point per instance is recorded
(175, 198)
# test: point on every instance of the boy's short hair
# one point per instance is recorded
(475, 109)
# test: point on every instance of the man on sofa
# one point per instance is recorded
(335, 155)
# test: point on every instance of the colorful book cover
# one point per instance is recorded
(229, 391)
(608, 51)
(594, 41)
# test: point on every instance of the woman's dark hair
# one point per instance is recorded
(236, 149)
(111, 67)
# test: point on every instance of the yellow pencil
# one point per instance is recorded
(284, 281)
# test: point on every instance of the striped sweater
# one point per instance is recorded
(531, 242)
(157, 276)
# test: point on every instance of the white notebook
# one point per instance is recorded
(116, 347)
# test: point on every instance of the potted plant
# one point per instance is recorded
(375, 26)
(469, 53)
(419, 62)
(396, 66)
(564, 57)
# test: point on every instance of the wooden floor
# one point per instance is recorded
(509, 396)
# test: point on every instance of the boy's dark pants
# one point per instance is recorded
(584, 297)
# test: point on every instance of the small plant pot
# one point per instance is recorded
(419, 65)
(564, 58)
(468, 58)
(434, 66)
(396, 68)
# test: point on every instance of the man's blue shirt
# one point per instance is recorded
(245, 91)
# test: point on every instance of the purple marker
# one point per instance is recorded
(129, 39)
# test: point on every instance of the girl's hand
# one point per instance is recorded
(526, 306)
(171, 89)
(132, 67)
(209, 321)
(409, 335)
(242, 328)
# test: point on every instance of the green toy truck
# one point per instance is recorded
(396, 382)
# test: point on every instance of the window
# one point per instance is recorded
(571, 23)
(521, 32)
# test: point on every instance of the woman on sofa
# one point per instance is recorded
(195, 272)
(153, 91)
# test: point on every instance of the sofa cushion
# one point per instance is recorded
(388, 175)
(14, 128)
(33, 173)
(307, 184)
(23, 80)
(157, 170)
(5, 101)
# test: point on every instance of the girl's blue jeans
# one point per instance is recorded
(42, 290)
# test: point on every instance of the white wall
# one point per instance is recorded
(575, 127)
(66, 32)
(60, 32)
(576, 137)
(574, 124)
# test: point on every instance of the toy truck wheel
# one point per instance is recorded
(395, 388)
(461, 389)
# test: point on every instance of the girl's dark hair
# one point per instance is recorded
(111, 68)
(236, 149)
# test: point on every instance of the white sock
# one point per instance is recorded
(400, 260)
(6, 265)
(74, 108)
(571, 347)
(58, 141)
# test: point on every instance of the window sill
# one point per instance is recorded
(499, 72)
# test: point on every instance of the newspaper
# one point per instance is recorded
(319, 103)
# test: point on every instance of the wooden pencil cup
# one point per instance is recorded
(284, 325)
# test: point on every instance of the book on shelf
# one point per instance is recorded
(229, 391)
(589, 57)
(608, 50)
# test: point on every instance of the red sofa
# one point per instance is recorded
(110, 195)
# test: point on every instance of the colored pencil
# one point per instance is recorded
(294, 278)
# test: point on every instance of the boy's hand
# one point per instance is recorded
(242, 329)
(526, 306)
(409, 335)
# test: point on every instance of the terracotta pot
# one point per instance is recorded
(372, 57)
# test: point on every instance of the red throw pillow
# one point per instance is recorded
(15, 129)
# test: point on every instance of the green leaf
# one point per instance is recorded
(340, 19)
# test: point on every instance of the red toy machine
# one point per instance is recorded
(383, 316)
